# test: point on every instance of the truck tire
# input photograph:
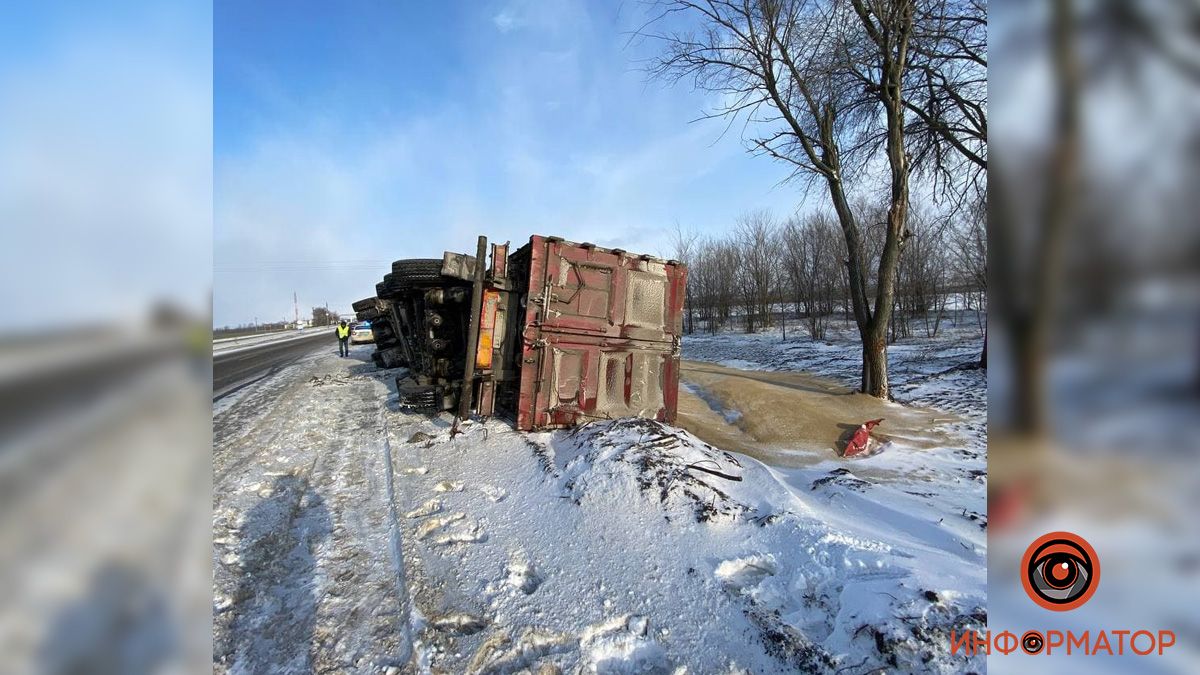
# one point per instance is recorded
(390, 287)
(383, 331)
(388, 358)
(365, 304)
(417, 271)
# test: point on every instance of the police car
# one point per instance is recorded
(361, 332)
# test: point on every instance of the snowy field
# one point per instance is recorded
(351, 536)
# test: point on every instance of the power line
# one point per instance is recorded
(306, 266)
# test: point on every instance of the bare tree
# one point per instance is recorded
(811, 254)
(1040, 211)
(757, 243)
(684, 243)
(713, 280)
(946, 94)
(923, 286)
(700, 285)
(321, 316)
(729, 261)
(968, 259)
(817, 76)
(795, 267)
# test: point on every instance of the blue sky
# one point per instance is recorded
(347, 135)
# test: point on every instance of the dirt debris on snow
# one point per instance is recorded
(791, 417)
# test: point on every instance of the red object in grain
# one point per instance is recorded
(862, 435)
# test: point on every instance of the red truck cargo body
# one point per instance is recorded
(600, 336)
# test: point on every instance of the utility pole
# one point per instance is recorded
(296, 307)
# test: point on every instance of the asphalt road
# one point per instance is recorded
(239, 367)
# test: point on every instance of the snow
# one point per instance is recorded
(245, 342)
(620, 546)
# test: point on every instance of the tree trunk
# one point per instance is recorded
(1031, 412)
(690, 322)
(1028, 323)
(855, 269)
(875, 376)
(983, 353)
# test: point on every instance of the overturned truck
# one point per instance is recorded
(551, 335)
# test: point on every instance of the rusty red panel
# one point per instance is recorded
(601, 337)
(500, 260)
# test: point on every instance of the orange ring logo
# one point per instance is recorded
(1060, 571)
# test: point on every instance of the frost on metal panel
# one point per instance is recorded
(646, 300)
(643, 371)
(568, 370)
(612, 380)
(585, 288)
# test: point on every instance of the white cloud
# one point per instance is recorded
(505, 21)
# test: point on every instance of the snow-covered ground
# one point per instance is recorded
(352, 536)
(243, 342)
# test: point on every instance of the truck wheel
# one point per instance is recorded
(388, 358)
(384, 289)
(414, 271)
(391, 286)
(365, 304)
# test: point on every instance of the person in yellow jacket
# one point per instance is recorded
(343, 333)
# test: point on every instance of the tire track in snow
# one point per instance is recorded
(397, 548)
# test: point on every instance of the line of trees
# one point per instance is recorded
(249, 329)
(767, 270)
